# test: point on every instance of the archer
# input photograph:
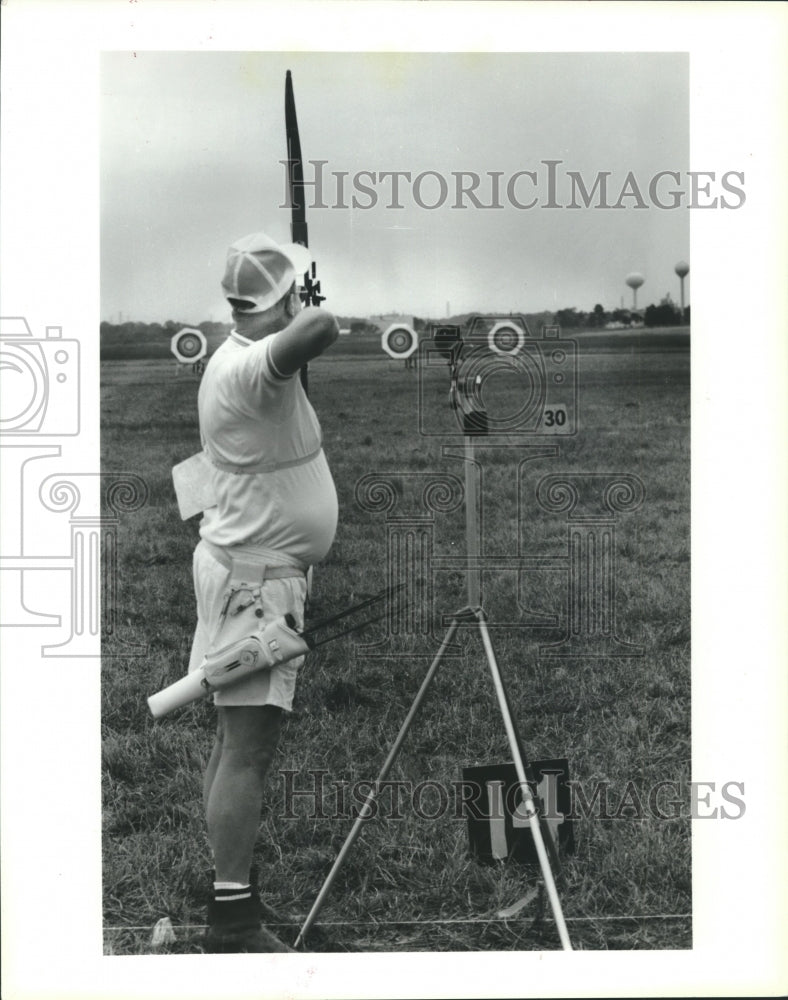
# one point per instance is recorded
(275, 514)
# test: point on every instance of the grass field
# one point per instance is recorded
(410, 883)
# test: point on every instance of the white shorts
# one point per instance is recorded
(211, 582)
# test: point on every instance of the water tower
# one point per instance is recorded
(634, 281)
(682, 270)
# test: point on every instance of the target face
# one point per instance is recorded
(189, 345)
(506, 338)
(400, 341)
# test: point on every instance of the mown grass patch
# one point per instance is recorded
(410, 883)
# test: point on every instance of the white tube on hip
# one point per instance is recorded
(276, 643)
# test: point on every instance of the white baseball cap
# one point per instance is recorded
(259, 271)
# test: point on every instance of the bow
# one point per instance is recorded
(310, 290)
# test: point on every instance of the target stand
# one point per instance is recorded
(472, 615)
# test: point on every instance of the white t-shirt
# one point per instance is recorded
(274, 489)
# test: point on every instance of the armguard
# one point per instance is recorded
(276, 643)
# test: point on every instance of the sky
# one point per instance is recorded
(191, 144)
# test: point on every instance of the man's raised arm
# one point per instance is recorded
(310, 333)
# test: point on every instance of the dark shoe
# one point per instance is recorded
(236, 927)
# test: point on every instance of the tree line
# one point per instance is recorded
(133, 339)
(666, 313)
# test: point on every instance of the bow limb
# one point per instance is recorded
(310, 292)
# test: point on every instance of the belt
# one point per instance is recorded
(248, 569)
(254, 468)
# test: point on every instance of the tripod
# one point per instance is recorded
(473, 614)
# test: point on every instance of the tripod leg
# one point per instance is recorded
(384, 771)
(547, 835)
(528, 799)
